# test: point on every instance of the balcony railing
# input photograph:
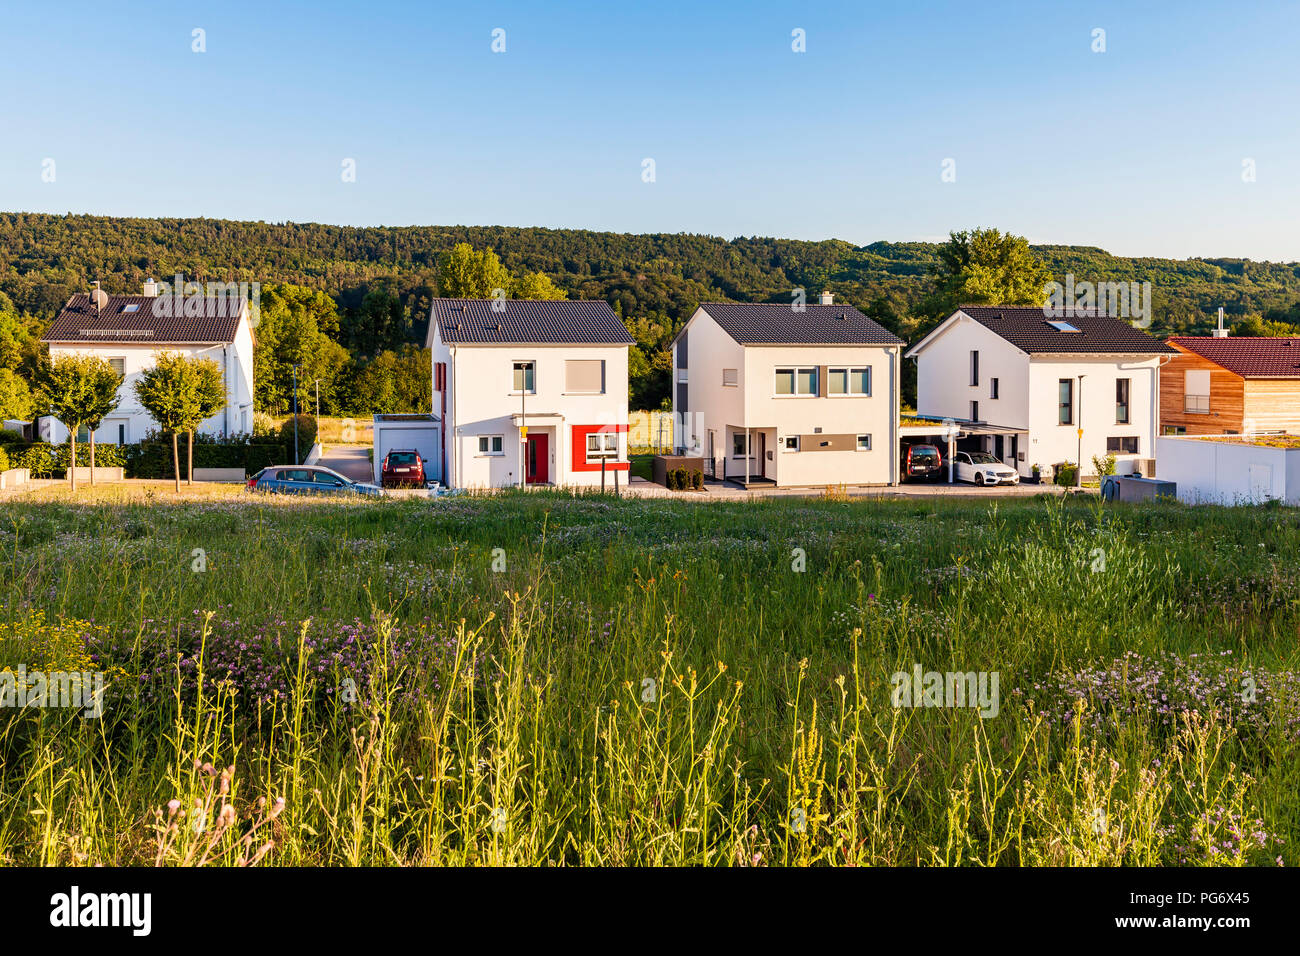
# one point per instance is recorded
(1196, 404)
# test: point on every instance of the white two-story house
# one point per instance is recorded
(768, 394)
(530, 392)
(129, 331)
(1034, 389)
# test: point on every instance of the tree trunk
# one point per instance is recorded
(176, 462)
(92, 459)
(189, 471)
(72, 458)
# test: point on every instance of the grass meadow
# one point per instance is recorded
(538, 679)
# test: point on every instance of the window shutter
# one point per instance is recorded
(584, 375)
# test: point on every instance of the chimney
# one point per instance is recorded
(1220, 332)
(150, 288)
(828, 298)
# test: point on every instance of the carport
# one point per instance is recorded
(1005, 442)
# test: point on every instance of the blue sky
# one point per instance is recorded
(1138, 149)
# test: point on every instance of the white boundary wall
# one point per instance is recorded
(1228, 473)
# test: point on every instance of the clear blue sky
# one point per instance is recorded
(1138, 150)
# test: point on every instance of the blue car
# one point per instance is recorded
(308, 480)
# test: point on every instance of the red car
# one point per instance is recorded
(402, 467)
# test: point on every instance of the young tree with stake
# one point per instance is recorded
(170, 393)
(81, 390)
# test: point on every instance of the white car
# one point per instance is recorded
(983, 469)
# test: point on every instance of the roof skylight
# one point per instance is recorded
(1062, 326)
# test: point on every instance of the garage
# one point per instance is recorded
(421, 433)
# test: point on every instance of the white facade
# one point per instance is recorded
(726, 395)
(1021, 393)
(497, 436)
(129, 422)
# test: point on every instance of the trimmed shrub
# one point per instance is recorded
(1066, 473)
(697, 480)
(154, 459)
(306, 432)
(10, 437)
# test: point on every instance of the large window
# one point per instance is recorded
(1121, 401)
(525, 380)
(1122, 446)
(1065, 401)
(796, 381)
(848, 381)
(1196, 391)
(584, 376)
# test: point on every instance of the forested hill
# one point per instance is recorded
(660, 278)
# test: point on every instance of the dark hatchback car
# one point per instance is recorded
(402, 467)
(922, 463)
(307, 480)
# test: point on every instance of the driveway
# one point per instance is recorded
(350, 460)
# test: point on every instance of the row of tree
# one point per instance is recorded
(179, 392)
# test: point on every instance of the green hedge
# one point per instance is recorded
(51, 461)
(154, 459)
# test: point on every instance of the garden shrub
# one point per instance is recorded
(306, 432)
(1066, 473)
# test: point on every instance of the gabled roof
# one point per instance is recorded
(763, 323)
(1029, 329)
(528, 322)
(1247, 356)
(143, 318)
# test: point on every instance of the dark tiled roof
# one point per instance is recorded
(1026, 328)
(80, 322)
(527, 321)
(1247, 356)
(762, 323)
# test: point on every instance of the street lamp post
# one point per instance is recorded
(296, 459)
(317, 403)
(1078, 470)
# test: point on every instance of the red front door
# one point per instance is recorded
(537, 460)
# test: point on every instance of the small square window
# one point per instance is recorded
(790, 443)
(731, 377)
(738, 448)
(524, 380)
(119, 366)
(864, 443)
(490, 444)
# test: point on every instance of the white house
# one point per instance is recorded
(1033, 389)
(768, 394)
(530, 392)
(131, 330)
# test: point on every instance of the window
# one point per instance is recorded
(119, 366)
(993, 388)
(1121, 401)
(975, 368)
(602, 445)
(132, 307)
(974, 411)
(584, 375)
(121, 433)
(524, 377)
(1063, 326)
(1065, 401)
(1196, 391)
(790, 443)
(738, 449)
(730, 377)
(1122, 446)
(490, 444)
(1174, 430)
(864, 443)
(796, 381)
(849, 381)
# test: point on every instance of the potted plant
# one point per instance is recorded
(1037, 473)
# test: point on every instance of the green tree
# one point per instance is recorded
(81, 390)
(536, 285)
(295, 328)
(1264, 327)
(986, 266)
(210, 396)
(16, 399)
(467, 274)
(171, 393)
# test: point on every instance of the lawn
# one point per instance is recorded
(534, 678)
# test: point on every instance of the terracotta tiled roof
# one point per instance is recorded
(762, 323)
(528, 321)
(141, 318)
(1027, 328)
(1247, 356)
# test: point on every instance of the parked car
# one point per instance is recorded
(402, 467)
(984, 469)
(308, 480)
(922, 462)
